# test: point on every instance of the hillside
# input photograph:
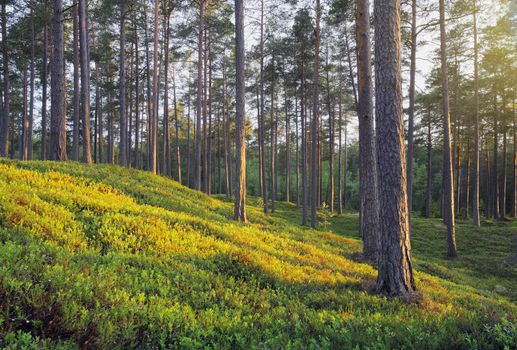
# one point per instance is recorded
(106, 257)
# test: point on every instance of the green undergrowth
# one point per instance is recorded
(106, 257)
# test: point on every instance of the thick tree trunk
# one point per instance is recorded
(122, 84)
(315, 120)
(448, 183)
(44, 84)
(76, 97)
(85, 80)
(58, 121)
(297, 145)
(240, 164)
(369, 203)
(476, 175)
(395, 268)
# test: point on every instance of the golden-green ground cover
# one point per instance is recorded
(106, 257)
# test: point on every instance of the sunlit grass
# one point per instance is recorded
(102, 256)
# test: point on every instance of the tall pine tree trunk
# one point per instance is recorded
(199, 94)
(476, 166)
(240, 164)
(76, 128)
(85, 80)
(315, 120)
(448, 183)
(4, 130)
(122, 85)
(395, 268)
(369, 204)
(44, 83)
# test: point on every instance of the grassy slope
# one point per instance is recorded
(105, 257)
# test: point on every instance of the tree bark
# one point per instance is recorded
(429, 169)
(24, 140)
(176, 127)
(4, 132)
(44, 81)
(85, 80)
(262, 126)
(369, 203)
(411, 111)
(448, 183)
(475, 179)
(240, 166)
(315, 120)
(31, 98)
(76, 97)
(395, 268)
(137, 101)
(58, 121)
(154, 115)
(122, 84)
(166, 133)
(199, 93)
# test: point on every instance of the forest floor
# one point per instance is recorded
(107, 257)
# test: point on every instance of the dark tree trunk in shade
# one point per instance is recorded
(495, 167)
(137, 102)
(428, 198)
(303, 107)
(240, 164)
(122, 86)
(44, 83)
(76, 89)
(369, 203)
(395, 268)
(24, 139)
(502, 192)
(331, 142)
(57, 84)
(85, 80)
(287, 144)
(514, 194)
(4, 125)
(31, 97)
(476, 165)
(315, 121)
(273, 151)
